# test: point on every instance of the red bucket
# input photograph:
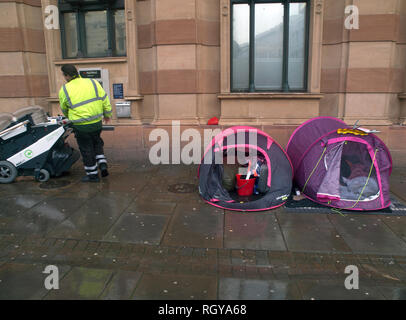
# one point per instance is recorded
(245, 187)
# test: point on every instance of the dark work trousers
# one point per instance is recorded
(91, 148)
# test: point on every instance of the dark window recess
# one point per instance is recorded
(269, 45)
(91, 29)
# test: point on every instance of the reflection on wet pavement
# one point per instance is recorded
(94, 218)
(366, 234)
(253, 231)
(22, 281)
(138, 228)
(246, 289)
(179, 287)
(330, 290)
(81, 283)
(132, 237)
(196, 226)
(121, 286)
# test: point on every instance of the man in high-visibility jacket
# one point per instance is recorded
(85, 103)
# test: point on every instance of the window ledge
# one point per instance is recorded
(134, 98)
(91, 60)
(129, 98)
(53, 99)
(270, 95)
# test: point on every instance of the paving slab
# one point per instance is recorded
(135, 236)
(177, 171)
(80, 190)
(121, 286)
(393, 292)
(315, 239)
(25, 281)
(10, 205)
(335, 290)
(22, 186)
(195, 226)
(138, 228)
(140, 167)
(258, 231)
(94, 218)
(81, 283)
(306, 222)
(167, 197)
(398, 182)
(155, 188)
(310, 232)
(148, 207)
(14, 215)
(129, 182)
(176, 287)
(368, 235)
(248, 289)
(397, 225)
(47, 214)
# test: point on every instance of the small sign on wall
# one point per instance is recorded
(118, 91)
(90, 74)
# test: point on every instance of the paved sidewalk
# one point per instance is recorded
(137, 236)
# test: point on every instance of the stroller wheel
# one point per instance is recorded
(43, 175)
(8, 172)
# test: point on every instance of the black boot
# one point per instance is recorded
(91, 178)
(103, 169)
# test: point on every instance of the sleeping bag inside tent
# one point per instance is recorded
(244, 169)
(339, 166)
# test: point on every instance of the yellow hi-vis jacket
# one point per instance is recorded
(84, 101)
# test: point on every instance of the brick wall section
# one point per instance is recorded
(22, 39)
(132, 143)
(179, 67)
(363, 70)
(23, 71)
(33, 3)
(178, 44)
(24, 86)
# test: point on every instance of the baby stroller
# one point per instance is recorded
(32, 144)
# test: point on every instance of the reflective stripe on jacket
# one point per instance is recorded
(84, 101)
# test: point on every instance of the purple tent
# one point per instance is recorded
(340, 167)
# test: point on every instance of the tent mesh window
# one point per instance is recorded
(358, 179)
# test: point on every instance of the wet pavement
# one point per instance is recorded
(140, 235)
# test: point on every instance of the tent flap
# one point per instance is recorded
(330, 188)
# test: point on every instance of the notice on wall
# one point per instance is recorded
(118, 91)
